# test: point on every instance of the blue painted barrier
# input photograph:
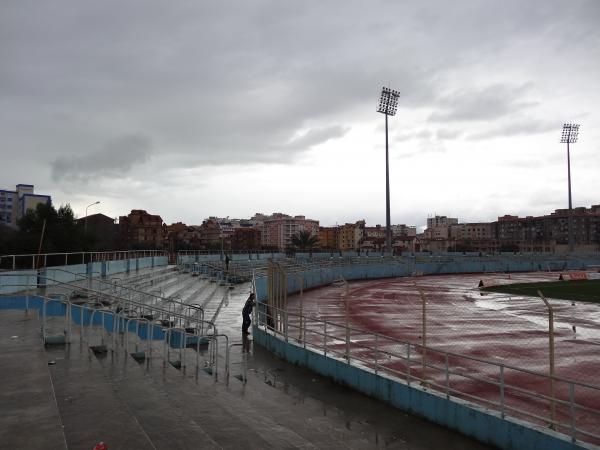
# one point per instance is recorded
(472, 420)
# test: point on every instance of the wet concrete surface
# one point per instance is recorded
(29, 416)
(320, 402)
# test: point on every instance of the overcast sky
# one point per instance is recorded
(193, 108)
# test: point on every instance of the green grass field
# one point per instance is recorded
(585, 290)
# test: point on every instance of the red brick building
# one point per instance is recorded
(140, 230)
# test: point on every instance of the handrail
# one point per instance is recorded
(93, 256)
(365, 359)
(120, 300)
(244, 362)
(130, 289)
(117, 327)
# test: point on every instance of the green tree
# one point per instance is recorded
(304, 241)
(61, 232)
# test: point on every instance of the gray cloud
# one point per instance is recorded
(317, 136)
(224, 83)
(491, 102)
(115, 159)
(518, 128)
(446, 134)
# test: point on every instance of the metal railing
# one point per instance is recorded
(42, 260)
(121, 290)
(188, 326)
(496, 386)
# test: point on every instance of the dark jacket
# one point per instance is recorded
(247, 310)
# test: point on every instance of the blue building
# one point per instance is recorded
(14, 204)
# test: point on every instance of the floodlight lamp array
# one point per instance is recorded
(570, 133)
(388, 102)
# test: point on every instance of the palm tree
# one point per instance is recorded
(304, 240)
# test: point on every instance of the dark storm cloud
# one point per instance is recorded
(115, 159)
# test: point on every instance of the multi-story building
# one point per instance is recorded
(278, 230)
(246, 238)
(328, 238)
(403, 230)
(210, 233)
(548, 233)
(103, 229)
(141, 230)
(440, 221)
(551, 233)
(346, 237)
(14, 204)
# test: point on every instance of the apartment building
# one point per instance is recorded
(14, 204)
(278, 230)
(328, 238)
(140, 230)
(549, 233)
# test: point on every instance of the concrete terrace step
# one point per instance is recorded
(229, 420)
(320, 430)
(166, 425)
(26, 394)
(90, 409)
(256, 410)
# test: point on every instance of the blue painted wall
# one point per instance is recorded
(11, 281)
(368, 268)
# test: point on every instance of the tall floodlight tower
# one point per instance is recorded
(388, 103)
(569, 136)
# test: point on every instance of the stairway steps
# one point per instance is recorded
(26, 394)
(91, 411)
(230, 421)
(167, 426)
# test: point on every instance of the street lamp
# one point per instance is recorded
(569, 136)
(388, 103)
(86, 209)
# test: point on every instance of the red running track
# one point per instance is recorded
(509, 330)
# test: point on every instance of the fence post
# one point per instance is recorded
(408, 363)
(572, 408)
(447, 377)
(303, 331)
(424, 314)
(502, 390)
(325, 336)
(347, 329)
(376, 352)
(551, 356)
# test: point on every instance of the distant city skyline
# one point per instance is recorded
(199, 109)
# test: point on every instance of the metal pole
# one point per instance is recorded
(376, 352)
(572, 409)
(551, 352)
(347, 333)
(325, 338)
(571, 241)
(424, 325)
(388, 230)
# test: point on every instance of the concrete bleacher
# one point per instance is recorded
(112, 398)
(82, 398)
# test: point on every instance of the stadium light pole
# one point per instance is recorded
(86, 215)
(388, 103)
(569, 136)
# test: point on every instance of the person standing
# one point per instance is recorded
(247, 311)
